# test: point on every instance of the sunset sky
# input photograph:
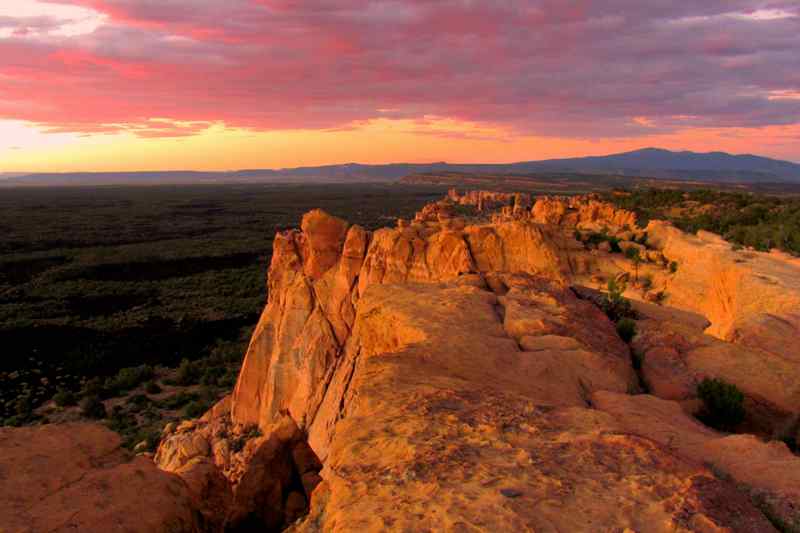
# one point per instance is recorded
(226, 84)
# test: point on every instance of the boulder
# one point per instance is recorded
(76, 477)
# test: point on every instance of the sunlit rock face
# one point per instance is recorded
(76, 477)
(456, 373)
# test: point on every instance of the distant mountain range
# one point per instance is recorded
(717, 167)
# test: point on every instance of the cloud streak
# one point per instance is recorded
(570, 69)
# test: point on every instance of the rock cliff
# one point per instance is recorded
(452, 373)
(456, 373)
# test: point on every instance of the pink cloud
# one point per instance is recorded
(577, 69)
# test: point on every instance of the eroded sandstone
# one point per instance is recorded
(455, 373)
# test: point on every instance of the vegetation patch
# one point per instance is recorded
(758, 221)
(614, 305)
(723, 404)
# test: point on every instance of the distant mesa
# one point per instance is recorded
(713, 167)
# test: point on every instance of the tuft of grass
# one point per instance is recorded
(723, 404)
(626, 329)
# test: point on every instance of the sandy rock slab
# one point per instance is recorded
(440, 427)
(766, 471)
(75, 477)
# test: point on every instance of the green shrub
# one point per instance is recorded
(194, 409)
(13, 421)
(250, 432)
(178, 400)
(596, 238)
(614, 305)
(673, 266)
(228, 380)
(188, 373)
(23, 405)
(129, 378)
(723, 404)
(151, 387)
(633, 254)
(626, 329)
(139, 401)
(95, 387)
(212, 375)
(64, 398)
(92, 407)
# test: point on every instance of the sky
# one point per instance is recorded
(101, 85)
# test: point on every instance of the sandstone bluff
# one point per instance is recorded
(455, 373)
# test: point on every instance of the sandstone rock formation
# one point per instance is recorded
(740, 292)
(455, 373)
(768, 471)
(445, 375)
(76, 477)
(582, 212)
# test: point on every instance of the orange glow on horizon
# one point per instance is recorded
(24, 148)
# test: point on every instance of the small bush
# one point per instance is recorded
(151, 387)
(614, 305)
(139, 401)
(178, 400)
(194, 409)
(228, 380)
(723, 404)
(129, 378)
(237, 444)
(626, 329)
(633, 254)
(24, 405)
(13, 421)
(212, 375)
(673, 266)
(95, 387)
(637, 359)
(188, 373)
(92, 407)
(596, 238)
(64, 398)
(250, 432)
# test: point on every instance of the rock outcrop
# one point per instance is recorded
(456, 373)
(585, 212)
(443, 374)
(438, 419)
(76, 477)
(311, 310)
(676, 357)
(769, 472)
(749, 297)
